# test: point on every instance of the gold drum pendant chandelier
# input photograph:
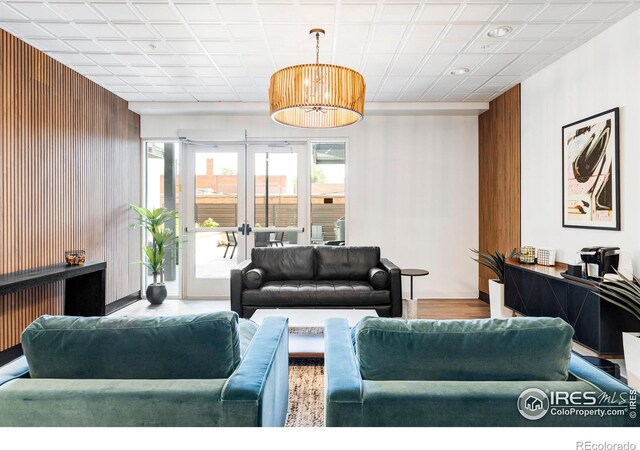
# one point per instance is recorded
(316, 95)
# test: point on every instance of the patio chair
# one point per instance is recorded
(231, 242)
(317, 236)
(278, 236)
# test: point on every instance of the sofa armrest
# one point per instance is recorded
(15, 369)
(237, 285)
(257, 393)
(584, 371)
(343, 382)
(395, 286)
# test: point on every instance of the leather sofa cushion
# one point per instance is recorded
(182, 347)
(311, 293)
(378, 278)
(345, 263)
(253, 278)
(519, 349)
(284, 263)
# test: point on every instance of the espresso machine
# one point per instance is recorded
(600, 260)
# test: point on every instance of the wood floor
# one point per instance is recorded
(440, 309)
(449, 308)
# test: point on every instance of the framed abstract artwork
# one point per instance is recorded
(590, 172)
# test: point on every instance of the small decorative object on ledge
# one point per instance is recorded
(546, 256)
(527, 255)
(75, 257)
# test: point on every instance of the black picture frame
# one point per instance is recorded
(591, 172)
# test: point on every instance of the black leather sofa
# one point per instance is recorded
(327, 277)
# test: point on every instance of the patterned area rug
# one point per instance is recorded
(306, 392)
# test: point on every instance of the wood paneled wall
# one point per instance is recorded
(70, 162)
(499, 162)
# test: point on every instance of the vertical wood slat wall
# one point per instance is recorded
(499, 163)
(70, 164)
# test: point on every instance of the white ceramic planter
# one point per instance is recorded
(496, 301)
(631, 344)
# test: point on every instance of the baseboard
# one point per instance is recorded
(124, 301)
(8, 355)
(483, 296)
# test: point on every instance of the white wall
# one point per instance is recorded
(412, 187)
(599, 75)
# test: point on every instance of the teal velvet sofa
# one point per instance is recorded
(418, 373)
(198, 370)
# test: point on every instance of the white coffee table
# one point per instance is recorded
(311, 345)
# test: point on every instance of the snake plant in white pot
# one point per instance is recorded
(495, 262)
(625, 293)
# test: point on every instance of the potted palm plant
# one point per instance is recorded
(158, 252)
(625, 293)
(495, 263)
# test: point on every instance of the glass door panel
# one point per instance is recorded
(275, 209)
(214, 208)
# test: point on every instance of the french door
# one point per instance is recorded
(236, 196)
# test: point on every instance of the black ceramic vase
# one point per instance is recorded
(156, 293)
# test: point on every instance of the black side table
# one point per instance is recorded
(609, 367)
(413, 273)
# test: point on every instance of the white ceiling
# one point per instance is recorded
(203, 50)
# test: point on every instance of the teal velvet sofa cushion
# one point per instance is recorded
(204, 346)
(464, 350)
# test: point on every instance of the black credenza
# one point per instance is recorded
(534, 290)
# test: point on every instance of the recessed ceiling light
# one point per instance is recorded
(499, 31)
(459, 71)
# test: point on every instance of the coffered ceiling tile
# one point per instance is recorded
(149, 71)
(485, 46)
(420, 84)
(550, 46)
(395, 84)
(99, 30)
(72, 59)
(494, 64)
(572, 30)
(398, 12)
(318, 13)
(175, 31)
(135, 31)
(518, 12)
(245, 31)
(256, 61)
(85, 46)
(200, 59)
(455, 97)
(449, 46)
(446, 83)
(188, 81)
(219, 46)
(199, 12)
(377, 65)
(238, 12)
(357, 12)
(477, 13)
(104, 59)
(36, 11)
(279, 13)
(121, 70)
(472, 83)
(438, 13)
(136, 59)
(26, 30)
(94, 70)
(469, 60)
(436, 64)
(119, 46)
(384, 96)
(558, 13)
(133, 97)
(499, 81)
(462, 31)
(517, 46)
(117, 12)
(600, 11)
(179, 71)
(77, 12)
(479, 97)
(523, 64)
(50, 45)
(185, 46)
(164, 60)
(227, 60)
(406, 65)
(8, 13)
(432, 97)
(534, 31)
(157, 12)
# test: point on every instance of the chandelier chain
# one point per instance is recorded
(317, 48)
